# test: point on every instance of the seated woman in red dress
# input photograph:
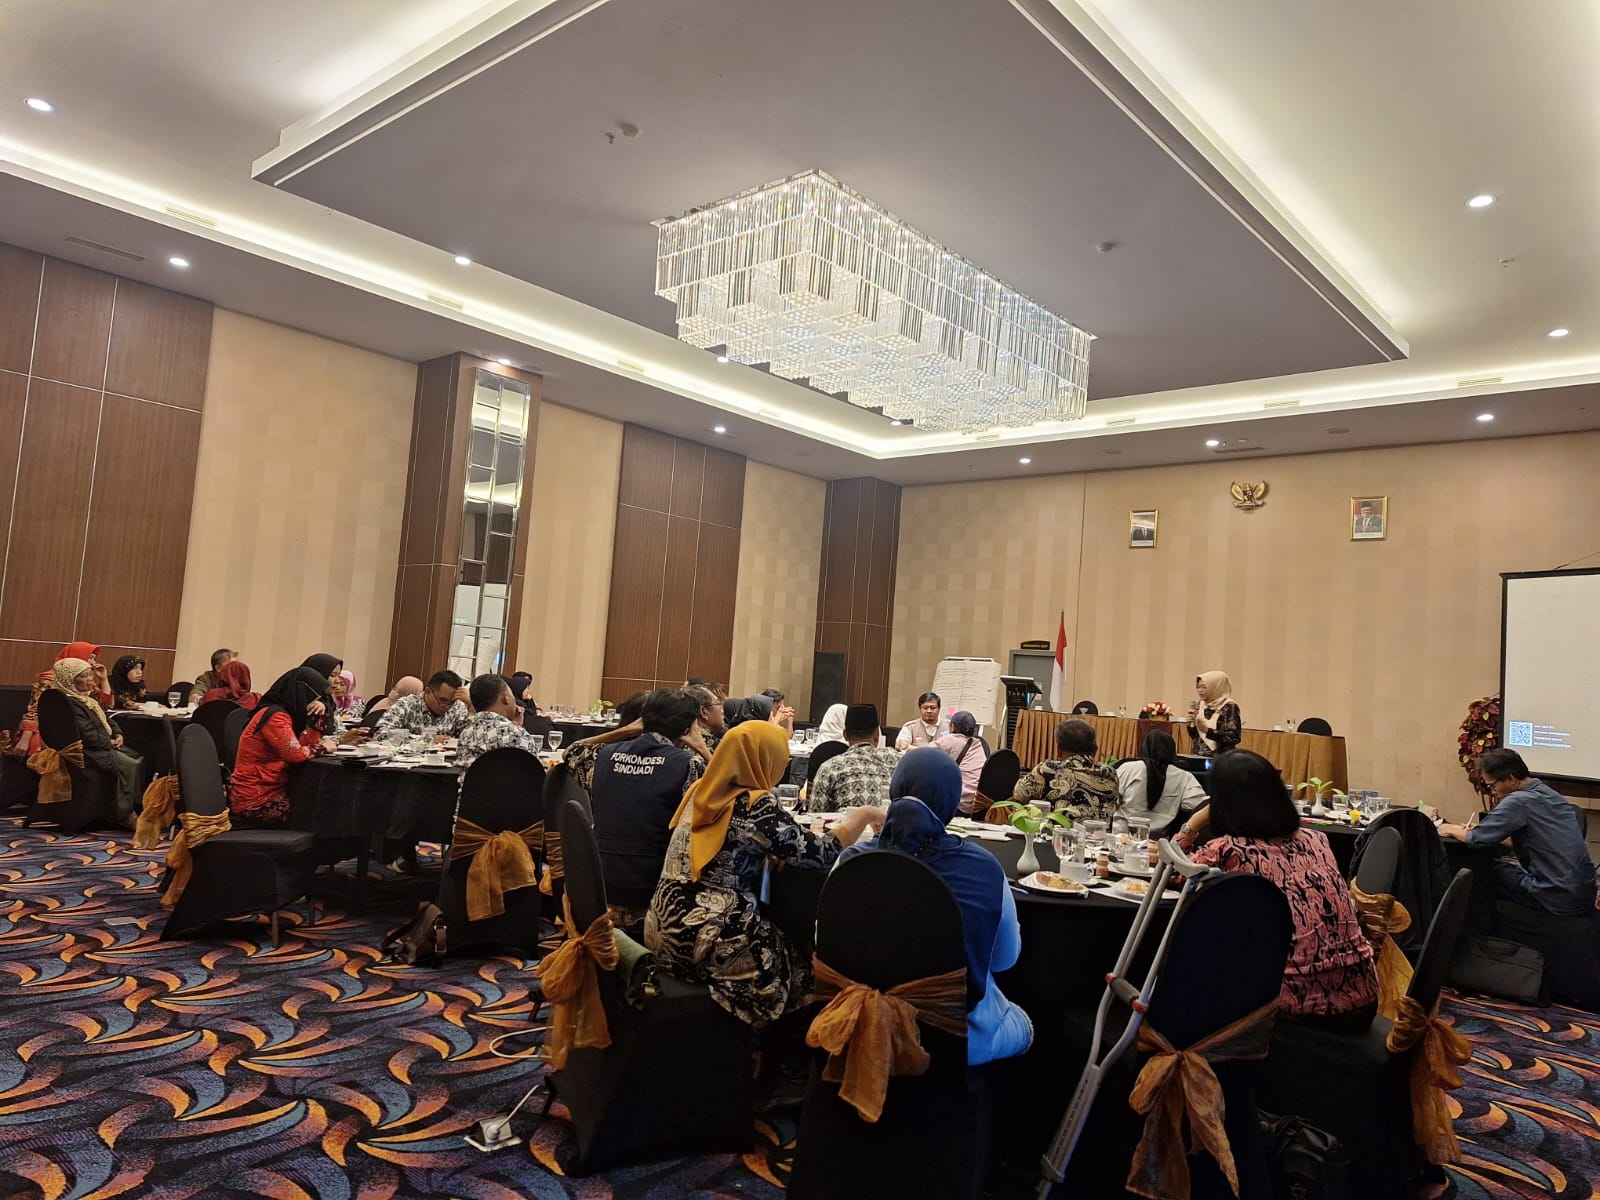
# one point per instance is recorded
(1330, 978)
(285, 730)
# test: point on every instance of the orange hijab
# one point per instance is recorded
(751, 757)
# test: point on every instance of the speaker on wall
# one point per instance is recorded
(827, 681)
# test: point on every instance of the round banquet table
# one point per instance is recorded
(147, 734)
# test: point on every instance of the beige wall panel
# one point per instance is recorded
(1388, 640)
(298, 502)
(572, 504)
(780, 556)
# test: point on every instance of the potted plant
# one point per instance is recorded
(601, 709)
(1319, 788)
(1030, 819)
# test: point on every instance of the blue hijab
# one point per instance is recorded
(924, 794)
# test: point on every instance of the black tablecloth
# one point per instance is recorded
(345, 802)
(147, 736)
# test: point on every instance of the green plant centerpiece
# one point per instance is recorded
(1030, 819)
(600, 708)
(1319, 788)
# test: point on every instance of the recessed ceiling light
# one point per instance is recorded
(38, 105)
(463, 261)
(1485, 416)
(1482, 200)
(1559, 331)
(504, 362)
(179, 261)
(1213, 443)
(1024, 460)
(719, 429)
(722, 358)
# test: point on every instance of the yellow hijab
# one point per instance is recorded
(66, 671)
(751, 757)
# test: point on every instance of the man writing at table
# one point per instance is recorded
(432, 713)
(1554, 873)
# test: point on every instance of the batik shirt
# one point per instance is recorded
(490, 731)
(412, 714)
(859, 776)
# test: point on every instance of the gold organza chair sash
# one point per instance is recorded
(1381, 917)
(54, 783)
(1440, 1052)
(572, 986)
(501, 862)
(157, 812)
(194, 831)
(870, 1035)
(554, 862)
(1177, 1083)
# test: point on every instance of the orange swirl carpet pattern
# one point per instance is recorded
(221, 1068)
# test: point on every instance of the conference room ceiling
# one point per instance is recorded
(1354, 130)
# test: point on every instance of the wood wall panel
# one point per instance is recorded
(855, 595)
(159, 343)
(675, 563)
(20, 662)
(44, 554)
(74, 325)
(430, 430)
(143, 488)
(21, 272)
(95, 493)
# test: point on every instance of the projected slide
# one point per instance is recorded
(1550, 672)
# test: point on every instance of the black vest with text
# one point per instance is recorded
(638, 785)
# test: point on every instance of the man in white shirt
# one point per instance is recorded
(927, 728)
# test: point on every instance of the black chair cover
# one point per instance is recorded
(1380, 863)
(1423, 875)
(184, 688)
(535, 722)
(1086, 708)
(1352, 1087)
(213, 718)
(998, 778)
(232, 731)
(821, 754)
(93, 799)
(237, 873)
(676, 1078)
(1225, 960)
(868, 908)
(504, 789)
(1314, 725)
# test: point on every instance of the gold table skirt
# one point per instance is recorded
(1298, 756)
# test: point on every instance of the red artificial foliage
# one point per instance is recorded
(1479, 732)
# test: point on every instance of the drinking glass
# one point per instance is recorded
(536, 742)
(1094, 834)
(1122, 710)
(788, 797)
(1065, 843)
(553, 739)
(1341, 806)
(1378, 804)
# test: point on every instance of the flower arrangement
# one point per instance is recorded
(1155, 711)
(1479, 732)
(1030, 818)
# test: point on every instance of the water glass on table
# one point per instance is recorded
(788, 797)
(1094, 834)
(553, 739)
(536, 742)
(1064, 841)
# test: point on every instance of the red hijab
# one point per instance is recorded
(235, 677)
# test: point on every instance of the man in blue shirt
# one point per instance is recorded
(1555, 872)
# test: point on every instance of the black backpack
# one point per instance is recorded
(1305, 1162)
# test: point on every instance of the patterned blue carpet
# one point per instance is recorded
(132, 1067)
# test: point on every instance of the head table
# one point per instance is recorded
(1298, 756)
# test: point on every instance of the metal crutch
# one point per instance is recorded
(1172, 861)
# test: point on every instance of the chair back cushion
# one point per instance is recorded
(1225, 958)
(1444, 931)
(999, 776)
(585, 885)
(212, 716)
(869, 906)
(57, 726)
(1380, 863)
(199, 782)
(232, 731)
(503, 789)
(820, 755)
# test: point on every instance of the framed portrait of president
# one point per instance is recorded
(1369, 518)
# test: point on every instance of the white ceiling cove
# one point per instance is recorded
(1283, 187)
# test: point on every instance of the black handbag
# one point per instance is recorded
(420, 942)
(1493, 966)
(1306, 1163)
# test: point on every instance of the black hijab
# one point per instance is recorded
(751, 708)
(324, 665)
(121, 686)
(1157, 753)
(291, 693)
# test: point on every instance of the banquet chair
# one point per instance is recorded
(232, 731)
(1423, 873)
(501, 790)
(676, 1078)
(184, 688)
(997, 780)
(1224, 960)
(238, 873)
(1380, 864)
(93, 797)
(821, 754)
(537, 722)
(212, 716)
(1086, 708)
(868, 906)
(1352, 1086)
(1314, 725)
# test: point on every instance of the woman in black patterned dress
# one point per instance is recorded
(705, 922)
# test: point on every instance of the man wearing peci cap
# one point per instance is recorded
(859, 776)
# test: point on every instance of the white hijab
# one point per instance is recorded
(831, 727)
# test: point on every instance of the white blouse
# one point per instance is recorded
(1182, 794)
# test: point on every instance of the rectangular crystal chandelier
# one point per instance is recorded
(824, 285)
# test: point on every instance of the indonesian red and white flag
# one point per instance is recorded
(1058, 671)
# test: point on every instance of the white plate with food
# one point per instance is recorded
(1130, 889)
(1051, 884)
